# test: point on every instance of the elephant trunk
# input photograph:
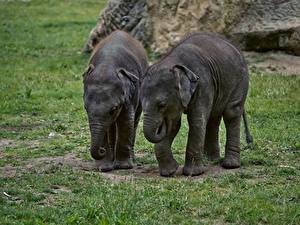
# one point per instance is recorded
(98, 133)
(154, 130)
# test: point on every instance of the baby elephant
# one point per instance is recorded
(205, 77)
(111, 99)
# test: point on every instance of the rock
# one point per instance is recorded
(263, 25)
(257, 25)
(172, 19)
(127, 15)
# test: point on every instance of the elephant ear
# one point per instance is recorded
(187, 82)
(129, 80)
(88, 70)
(122, 73)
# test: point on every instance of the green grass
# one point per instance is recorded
(41, 92)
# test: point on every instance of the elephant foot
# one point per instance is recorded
(169, 168)
(231, 162)
(193, 170)
(123, 164)
(105, 165)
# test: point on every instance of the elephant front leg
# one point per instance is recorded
(163, 152)
(125, 142)
(107, 163)
(194, 153)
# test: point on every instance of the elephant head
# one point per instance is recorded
(165, 94)
(105, 92)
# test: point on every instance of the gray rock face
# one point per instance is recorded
(266, 25)
(128, 15)
(258, 25)
(173, 19)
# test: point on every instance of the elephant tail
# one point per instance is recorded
(249, 138)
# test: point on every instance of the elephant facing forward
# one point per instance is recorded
(111, 99)
(205, 77)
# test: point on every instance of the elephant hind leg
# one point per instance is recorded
(212, 147)
(232, 119)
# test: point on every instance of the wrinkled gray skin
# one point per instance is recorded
(205, 77)
(111, 99)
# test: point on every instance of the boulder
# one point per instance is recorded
(128, 15)
(263, 25)
(256, 25)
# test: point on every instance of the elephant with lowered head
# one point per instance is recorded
(111, 99)
(205, 77)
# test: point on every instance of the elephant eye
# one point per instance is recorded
(161, 105)
(90, 97)
(113, 110)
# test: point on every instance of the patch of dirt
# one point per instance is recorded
(24, 125)
(48, 165)
(3, 144)
(152, 172)
(274, 62)
(52, 164)
(8, 171)
(14, 143)
(6, 143)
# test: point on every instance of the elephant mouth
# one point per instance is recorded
(161, 131)
(160, 128)
(154, 131)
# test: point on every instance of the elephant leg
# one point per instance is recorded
(166, 162)
(125, 142)
(232, 119)
(212, 147)
(137, 116)
(136, 123)
(195, 146)
(106, 164)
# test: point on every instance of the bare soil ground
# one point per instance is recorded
(6, 143)
(50, 164)
(9, 143)
(274, 62)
